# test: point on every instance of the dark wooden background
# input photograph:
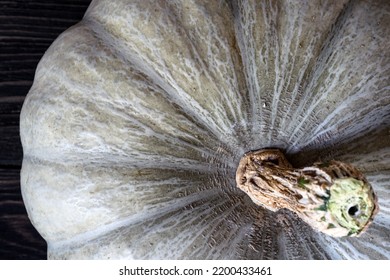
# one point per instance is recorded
(27, 29)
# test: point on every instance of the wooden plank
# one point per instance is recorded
(10, 111)
(19, 239)
(10, 147)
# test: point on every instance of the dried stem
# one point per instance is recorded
(332, 197)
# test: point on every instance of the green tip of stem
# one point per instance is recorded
(351, 203)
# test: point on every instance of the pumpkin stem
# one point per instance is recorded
(332, 197)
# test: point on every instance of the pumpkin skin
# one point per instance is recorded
(138, 117)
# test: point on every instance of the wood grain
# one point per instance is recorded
(27, 29)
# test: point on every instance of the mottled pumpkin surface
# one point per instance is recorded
(139, 115)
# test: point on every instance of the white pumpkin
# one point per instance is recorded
(139, 115)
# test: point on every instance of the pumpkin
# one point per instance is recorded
(138, 117)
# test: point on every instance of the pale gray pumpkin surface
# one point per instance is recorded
(138, 117)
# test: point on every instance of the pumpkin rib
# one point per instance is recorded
(367, 119)
(194, 113)
(190, 224)
(302, 90)
(176, 92)
(110, 197)
(268, 58)
(216, 16)
(202, 145)
(133, 220)
(348, 55)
